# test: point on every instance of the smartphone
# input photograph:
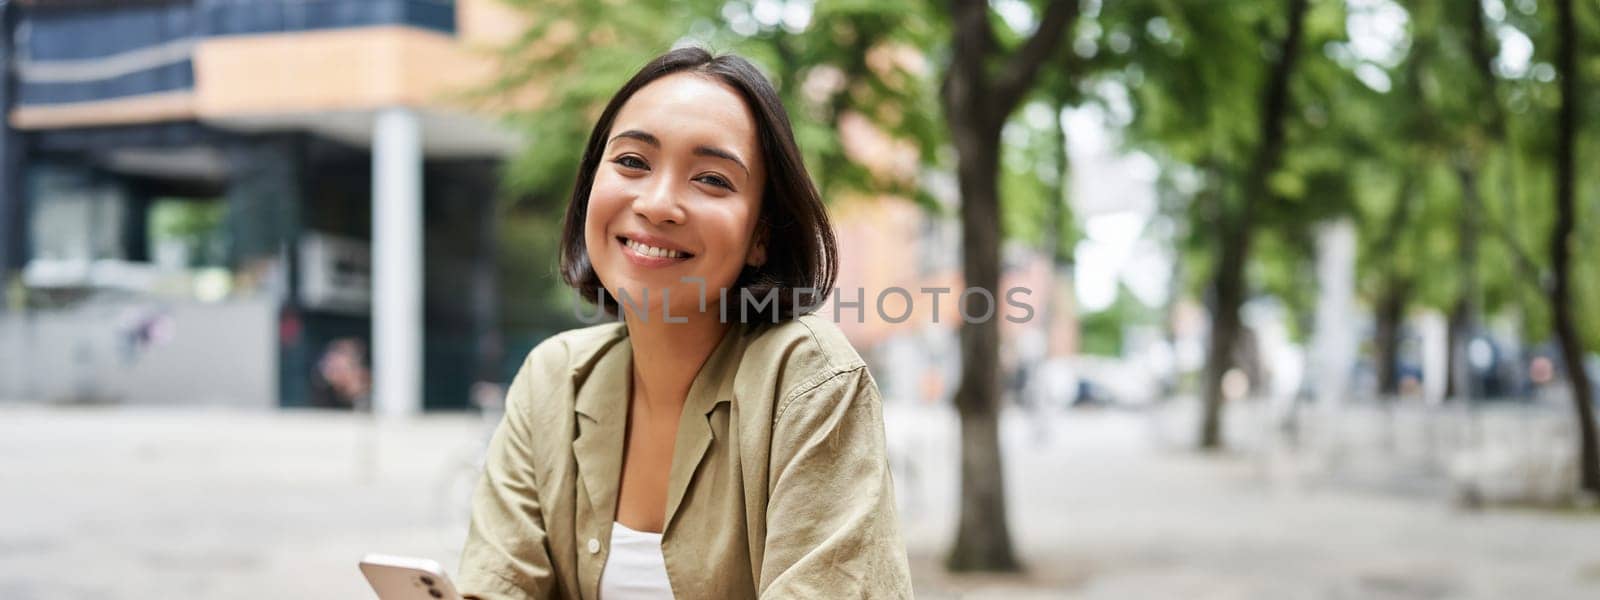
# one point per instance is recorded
(405, 578)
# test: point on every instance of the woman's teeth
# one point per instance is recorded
(653, 251)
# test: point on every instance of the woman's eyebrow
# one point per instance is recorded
(711, 151)
(637, 135)
(722, 154)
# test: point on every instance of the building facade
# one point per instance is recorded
(263, 198)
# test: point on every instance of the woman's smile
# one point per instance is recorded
(649, 252)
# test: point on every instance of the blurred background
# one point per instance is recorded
(1314, 281)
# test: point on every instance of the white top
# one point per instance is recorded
(635, 570)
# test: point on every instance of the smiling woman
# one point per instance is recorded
(692, 138)
(693, 457)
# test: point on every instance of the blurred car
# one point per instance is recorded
(1091, 394)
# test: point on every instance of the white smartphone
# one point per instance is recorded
(405, 578)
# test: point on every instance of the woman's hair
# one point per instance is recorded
(801, 258)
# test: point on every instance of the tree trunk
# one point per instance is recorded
(977, 101)
(983, 534)
(1228, 285)
(1458, 381)
(983, 539)
(1056, 230)
(1561, 241)
(1464, 315)
(1390, 317)
(1227, 296)
(1396, 295)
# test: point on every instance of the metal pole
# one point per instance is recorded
(397, 263)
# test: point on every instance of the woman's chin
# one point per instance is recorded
(638, 301)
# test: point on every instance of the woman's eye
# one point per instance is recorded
(716, 180)
(631, 162)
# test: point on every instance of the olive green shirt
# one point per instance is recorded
(779, 485)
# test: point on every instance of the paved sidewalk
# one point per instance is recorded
(121, 503)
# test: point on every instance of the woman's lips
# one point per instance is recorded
(647, 260)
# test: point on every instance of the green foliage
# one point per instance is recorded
(1102, 331)
(1282, 271)
(849, 57)
(197, 225)
(1390, 142)
(1194, 74)
(534, 299)
(1488, 125)
(1033, 179)
(1382, 140)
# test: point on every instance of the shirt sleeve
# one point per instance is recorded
(506, 555)
(832, 529)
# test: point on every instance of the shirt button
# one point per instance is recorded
(594, 546)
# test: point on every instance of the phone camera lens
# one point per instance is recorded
(427, 581)
(435, 593)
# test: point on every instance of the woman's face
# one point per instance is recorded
(677, 194)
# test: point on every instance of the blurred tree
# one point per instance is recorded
(1236, 226)
(1479, 123)
(1401, 175)
(983, 84)
(1393, 298)
(1238, 98)
(1465, 92)
(1562, 242)
(1441, 182)
(1491, 150)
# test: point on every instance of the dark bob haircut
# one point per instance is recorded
(802, 260)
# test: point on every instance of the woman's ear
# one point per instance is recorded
(758, 246)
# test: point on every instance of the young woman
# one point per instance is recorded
(719, 442)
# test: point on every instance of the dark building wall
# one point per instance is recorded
(459, 288)
(13, 214)
(265, 177)
(460, 339)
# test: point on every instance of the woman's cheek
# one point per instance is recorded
(733, 251)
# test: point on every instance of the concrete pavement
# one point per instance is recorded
(155, 503)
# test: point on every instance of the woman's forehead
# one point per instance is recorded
(690, 108)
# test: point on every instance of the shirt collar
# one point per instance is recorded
(603, 380)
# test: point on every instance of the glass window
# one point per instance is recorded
(75, 216)
(187, 233)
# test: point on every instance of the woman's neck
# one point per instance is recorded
(667, 356)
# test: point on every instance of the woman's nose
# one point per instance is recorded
(659, 203)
